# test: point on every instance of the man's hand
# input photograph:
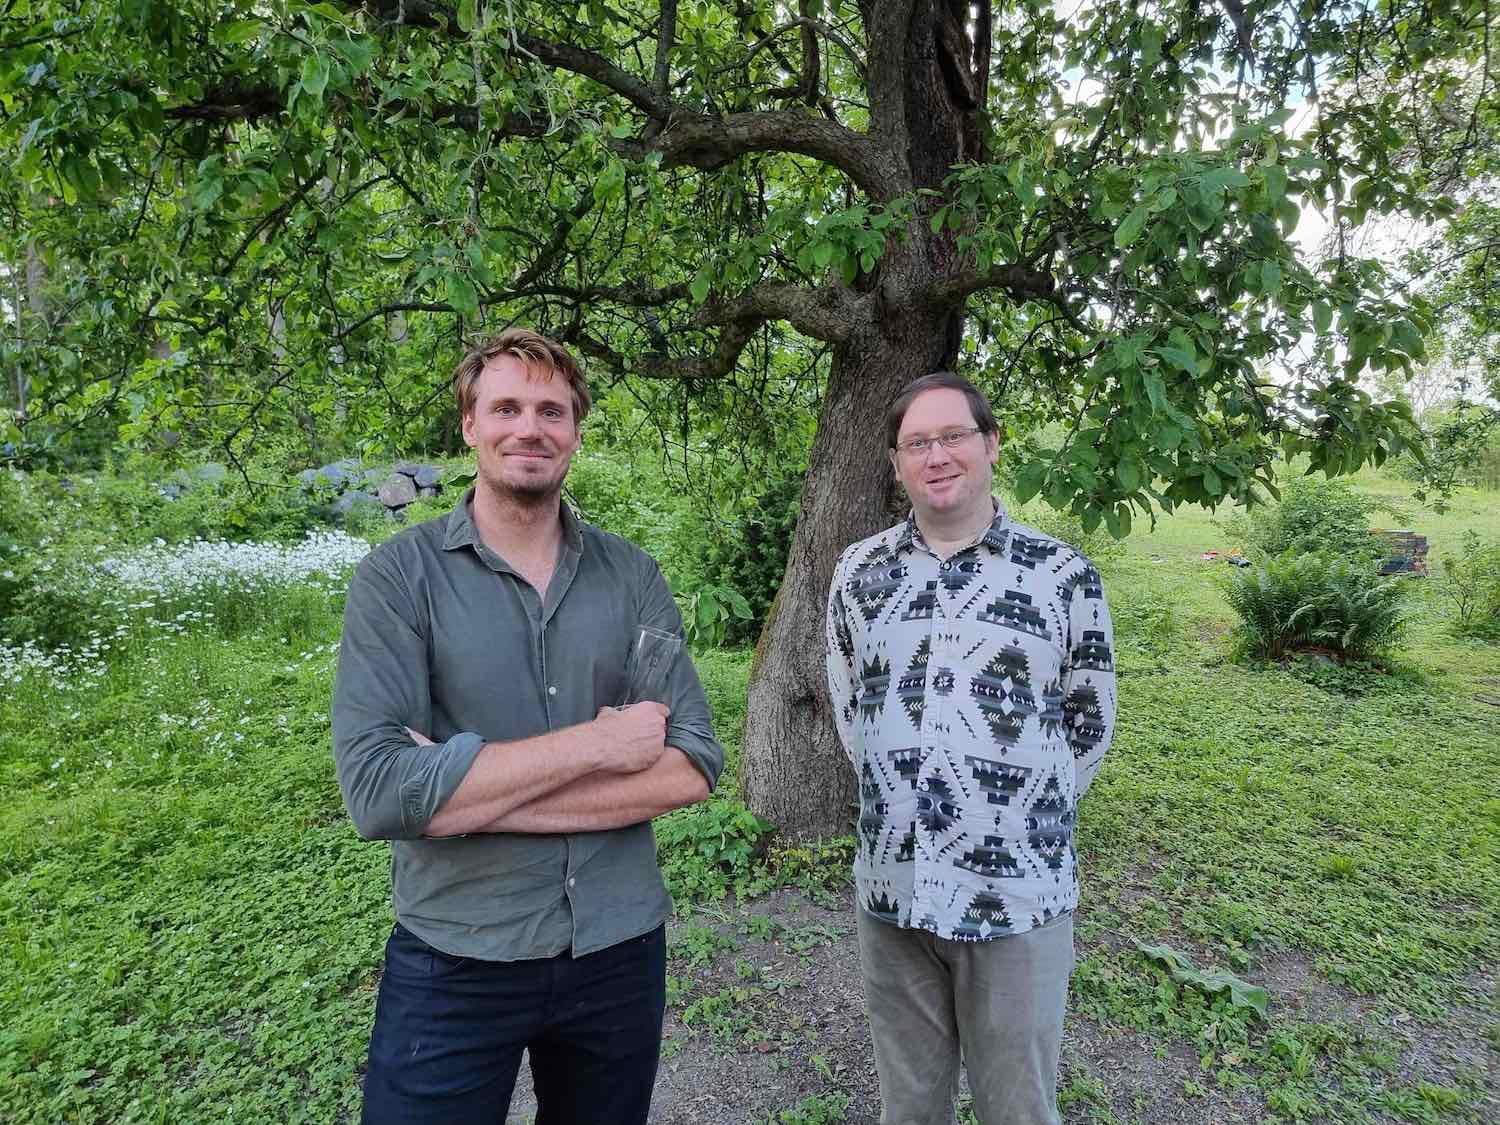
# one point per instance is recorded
(635, 736)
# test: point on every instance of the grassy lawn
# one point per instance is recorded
(192, 929)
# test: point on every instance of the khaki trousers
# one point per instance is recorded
(999, 1002)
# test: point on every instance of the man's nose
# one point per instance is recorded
(937, 454)
(529, 424)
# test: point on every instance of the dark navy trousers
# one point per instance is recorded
(449, 1032)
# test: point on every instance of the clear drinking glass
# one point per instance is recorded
(649, 668)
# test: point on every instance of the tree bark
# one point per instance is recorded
(794, 772)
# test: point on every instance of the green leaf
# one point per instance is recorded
(1179, 356)
(610, 184)
(1275, 176)
(1270, 278)
(1241, 993)
(467, 16)
(1129, 230)
(1322, 316)
(315, 75)
(1128, 473)
(1029, 480)
(698, 290)
(1156, 389)
(462, 294)
(232, 32)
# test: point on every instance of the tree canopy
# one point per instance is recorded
(246, 218)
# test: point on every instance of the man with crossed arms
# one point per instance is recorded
(530, 909)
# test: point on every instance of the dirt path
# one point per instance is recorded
(765, 1015)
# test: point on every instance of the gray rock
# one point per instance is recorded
(351, 500)
(406, 468)
(210, 471)
(307, 478)
(372, 478)
(339, 473)
(428, 476)
(428, 493)
(397, 491)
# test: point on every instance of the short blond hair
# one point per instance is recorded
(541, 355)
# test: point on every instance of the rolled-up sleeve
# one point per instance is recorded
(690, 727)
(391, 786)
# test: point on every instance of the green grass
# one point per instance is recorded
(191, 928)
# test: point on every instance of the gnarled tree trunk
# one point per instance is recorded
(794, 773)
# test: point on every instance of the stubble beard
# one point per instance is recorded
(529, 496)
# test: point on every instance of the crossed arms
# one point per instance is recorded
(611, 771)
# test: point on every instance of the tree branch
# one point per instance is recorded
(731, 342)
(828, 312)
(661, 77)
(812, 62)
(578, 61)
(705, 142)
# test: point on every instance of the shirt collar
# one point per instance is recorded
(994, 536)
(461, 532)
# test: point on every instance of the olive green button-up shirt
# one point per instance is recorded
(442, 635)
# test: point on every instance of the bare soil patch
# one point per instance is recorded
(768, 1010)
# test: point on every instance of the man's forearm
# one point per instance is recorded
(603, 801)
(507, 775)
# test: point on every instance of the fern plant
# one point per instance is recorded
(1311, 602)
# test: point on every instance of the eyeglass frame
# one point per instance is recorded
(949, 439)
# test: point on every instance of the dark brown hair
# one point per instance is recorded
(979, 406)
(542, 357)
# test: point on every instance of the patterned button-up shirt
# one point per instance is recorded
(975, 696)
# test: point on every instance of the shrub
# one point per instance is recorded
(1315, 516)
(747, 554)
(709, 848)
(1471, 580)
(1314, 602)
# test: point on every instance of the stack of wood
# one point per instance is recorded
(1406, 552)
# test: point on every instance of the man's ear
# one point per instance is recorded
(468, 429)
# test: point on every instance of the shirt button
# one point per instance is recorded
(571, 880)
(552, 690)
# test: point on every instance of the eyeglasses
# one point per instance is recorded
(951, 439)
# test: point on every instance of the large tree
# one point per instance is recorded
(268, 213)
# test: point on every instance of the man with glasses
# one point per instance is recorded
(971, 670)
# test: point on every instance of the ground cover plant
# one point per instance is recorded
(193, 931)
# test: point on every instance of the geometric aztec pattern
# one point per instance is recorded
(975, 696)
